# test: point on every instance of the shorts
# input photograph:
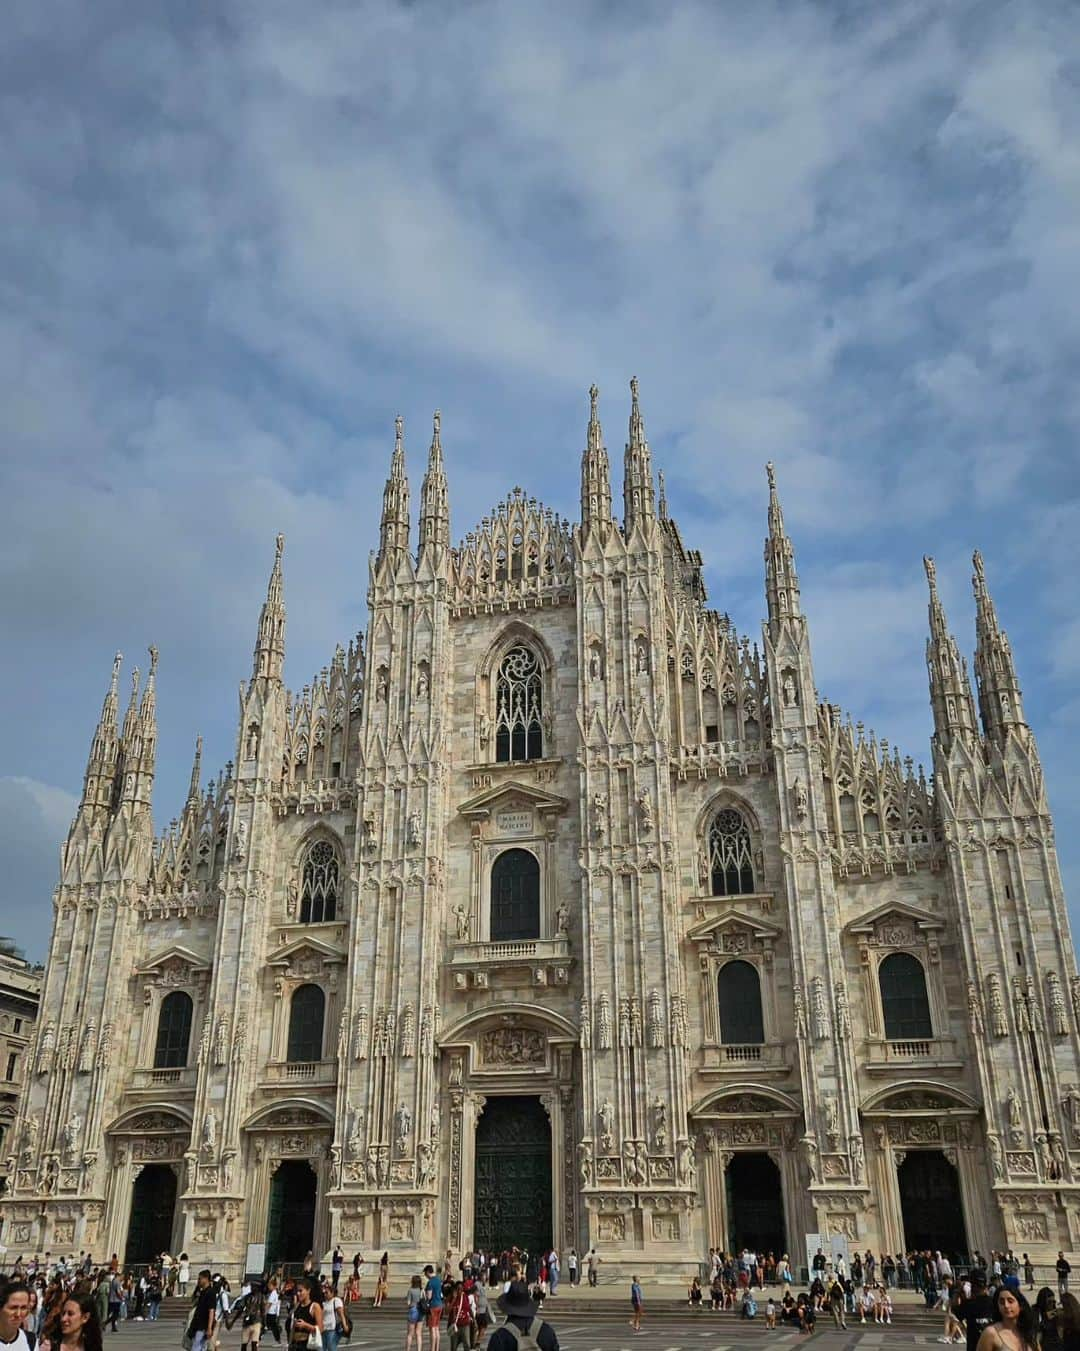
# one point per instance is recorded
(249, 1335)
(434, 1317)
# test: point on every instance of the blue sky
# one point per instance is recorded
(239, 238)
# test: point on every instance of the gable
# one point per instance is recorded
(735, 931)
(512, 796)
(896, 923)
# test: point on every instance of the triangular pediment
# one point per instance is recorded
(734, 920)
(898, 913)
(304, 949)
(174, 955)
(513, 796)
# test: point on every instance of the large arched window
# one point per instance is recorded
(318, 893)
(904, 1002)
(731, 867)
(519, 733)
(515, 897)
(738, 990)
(173, 1032)
(306, 1016)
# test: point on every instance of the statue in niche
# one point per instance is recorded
(594, 664)
(209, 1133)
(585, 1163)
(422, 684)
(686, 1167)
(240, 840)
(606, 1117)
(645, 811)
(436, 1122)
(70, 1141)
(584, 1025)
(1014, 1114)
(659, 1116)
(997, 1157)
(425, 1164)
(599, 816)
(858, 1158)
(562, 919)
(415, 829)
(791, 693)
(801, 798)
(641, 658)
(1059, 1019)
(461, 916)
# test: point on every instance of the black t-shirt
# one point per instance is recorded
(504, 1340)
(977, 1313)
(204, 1307)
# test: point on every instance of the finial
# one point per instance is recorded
(594, 397)
(633, 388)
(980, 573)
(134, 681)
(399, 431)
(771, 472)
(436, 425)
(153, 658)
(118, 661)
(931, 573)
(662, 504)
(279, 547)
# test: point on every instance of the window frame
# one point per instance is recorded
(755, 970)
(164, 1057)
(891, 960)
(293, 1033)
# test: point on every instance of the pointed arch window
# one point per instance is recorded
(173, 1032)
(319, 889)
(519, 731)
(307, 1014)
(738, 989)
(905, 1005)
(731, 867)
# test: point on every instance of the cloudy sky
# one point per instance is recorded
(240, 237)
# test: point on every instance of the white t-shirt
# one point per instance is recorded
(571, 1261)
(273, 1302)
(18, 1342)
(329, 1314)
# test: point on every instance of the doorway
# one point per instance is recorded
(153, 1208)
(931, 1204)
(755, 1204)
(513, 1176)
(290, 1221)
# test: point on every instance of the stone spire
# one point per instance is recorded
(661, 501)
(638, 498)
(781, 579)
(394, 527)
(131, 717)
(995, 673)
(269, 660)
(194, 786)
(595, 471)
(98, 782)
(139, 741)
(434, 495)
(950, 687)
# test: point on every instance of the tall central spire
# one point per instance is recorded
(781, 578)
(595, 471)
(394, 527)
(995, 672)
(434, 495)
(950, 687)
(101, 762)
(270, 645)
(638, 494)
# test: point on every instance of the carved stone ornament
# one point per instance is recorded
(513, 1046)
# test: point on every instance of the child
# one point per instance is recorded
(770, 1312)
(635, 1304)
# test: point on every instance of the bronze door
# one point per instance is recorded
(513, 1176)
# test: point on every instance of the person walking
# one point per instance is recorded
(201, 1325)
(592, 1263)
(1063, 1269)
(307, 1322)
(273, 1309)
(334, 1316)
(572, 1266)
(116, 1299)
(414, 1315)
(636, 1304)
(836, 1302)
(183, 1274)
(523, 1325)
(337, 1261)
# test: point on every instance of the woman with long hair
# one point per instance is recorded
(1068, 1322)
(1014, 1329)
(79, 1328)
(414, 1317)
(307, 1319)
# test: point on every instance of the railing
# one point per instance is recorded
(168, 1078)
(734, 1056)
(742, 1053)
(468, 954)
(903, 1051)
(302, 1071)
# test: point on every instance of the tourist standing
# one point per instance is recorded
(201, 1325)
(14, 1307)
(337, 1261)
(592, 1263)
(414, 1315)
(433, 1289)
(572, 1266)
(1063, 1269)
(636, 1304)
(333, 1312)
(1014, 1329)
(116, 1298)
(521, 1321)
(79, 1326)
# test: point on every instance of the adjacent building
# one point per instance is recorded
(20, 990)
(554, 909)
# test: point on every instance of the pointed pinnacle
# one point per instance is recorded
(931, 575)
(662, 498)
(436, 430)
(637, 425)
(196, 770)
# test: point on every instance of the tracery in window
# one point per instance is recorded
(731, 866)
(518, 707)
(318, 894)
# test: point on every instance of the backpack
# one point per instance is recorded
(529, 1339)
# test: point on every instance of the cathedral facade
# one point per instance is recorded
(556, 911)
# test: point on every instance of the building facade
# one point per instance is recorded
(20, 990)
(555, 910)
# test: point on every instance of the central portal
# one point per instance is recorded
(755, 1205)
(513, 1176)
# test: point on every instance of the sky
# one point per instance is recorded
(238, 238)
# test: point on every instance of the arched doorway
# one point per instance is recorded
(290, 1219)
(153, 1207)
(755, 1204)
(930, 1202)
(513, 1176)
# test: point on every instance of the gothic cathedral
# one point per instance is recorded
(554, 910)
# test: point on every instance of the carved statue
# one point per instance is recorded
(209, 1133)
(677, 1020)
(633, 1170)
(975, 1014)
(1059, 1018)
(461, 916)
(354, 1145)
(483, 729)
(585, 1163)
(422, 684)
(606, 1117)
(997, 1157)
(1034, 1008)
(594, 664)
(1070, 1107)
(425, 1164)
(791, 697)
(562, 919)
(1074, 991)
(1015, 1116)
(843, 1012)
(371, 1166)
(635, 1022)
(659, 1125)
(70, 1140)
(685, 1165)
(624, 1021)
(89, 1046)
(436, 1122)
(641, 658)
(415, 829)
(1045, 1155)
(292, 892)
(408, 1031)
(599, 816)
(1021, 1010)
(832, 1117)
(800, 1010)
(645, 811)
(811, 1151)
(858, 1158)
(221, 1041)
(370, 841)
(240, 840)
(800, 798)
